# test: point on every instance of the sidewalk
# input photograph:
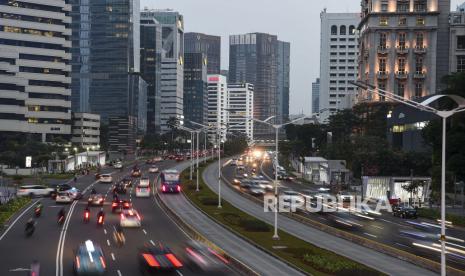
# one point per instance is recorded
(368, 257)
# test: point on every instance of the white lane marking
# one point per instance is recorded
(105, 231)
(179, 273)
(145, 232)
(61, 241)
(152, 242)
(108, 242)
(20, 216)
(113, 256)
(370, 235)
(119, 273)
(376, 226)
(403, 245)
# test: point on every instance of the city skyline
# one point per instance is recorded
(304, 37)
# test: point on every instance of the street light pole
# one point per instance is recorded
(443, 199)
(219, 168)
(275, 235)
(197, 155)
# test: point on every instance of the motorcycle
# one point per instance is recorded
(100, 219)
(86, 216)
(30, 228)
(61, 220)
(38, 212)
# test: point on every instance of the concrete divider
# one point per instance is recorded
(383, 248)
(193, 234)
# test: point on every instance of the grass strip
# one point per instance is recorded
(310, 258)
(9, 209)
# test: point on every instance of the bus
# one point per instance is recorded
(170, 181)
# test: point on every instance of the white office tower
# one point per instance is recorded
(217, 107)
(240, 109)
(338, 61)
(34, 71)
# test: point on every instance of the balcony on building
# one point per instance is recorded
(383, 49)
(402, 75)
(401, 50)
(419, 75)
(382, 75)
(420, 49)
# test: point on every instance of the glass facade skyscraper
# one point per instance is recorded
(209, 45)
(284, 60)
(195, 88)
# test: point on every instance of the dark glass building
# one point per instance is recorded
(253, 58)
(150, 68)
(209, 45)
(284, 60)
(195, 88)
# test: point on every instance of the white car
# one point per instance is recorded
(118, 165)
(34, 190)
(153, 169)
(142, 191)
(130, 218)
(64, 197)
(144, 182)
(106, 178)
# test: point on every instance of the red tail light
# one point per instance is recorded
(122, 216)
(173, 260)
(86, 215)
(103, 262)
(150, 260)
(163, 188)
(179, 188)
(78, 263)
(114, 204)
(100, 219)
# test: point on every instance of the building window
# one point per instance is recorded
(419, 6)
(384, 6)
(383, 21)
(351, 30)
(333, 46)
(419, 65)
(400, 89)
(402, 5)
(382, 65)
(418, 90)
(402, 40)
(334, 30)
(402, 21)
(382, 40)
(461, 42)
(419, 40)
(420, 21)
(401, 65)
(342, 30)
(382, 86)
(460, 63)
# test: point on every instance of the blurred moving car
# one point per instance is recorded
(64, 197)
(156, 259)
(153, 169)
(136, 172)
(106, 178)
(89, 259)
(120, 188)
(144, 182)
(142, 191)
(59, 188)
(130, 218)
(170, 181)
(204, 258)
(118, 205)
(118, 165)
(96, 200)
(290, 196)
(404, 211)
(127, 181)
(34, 190)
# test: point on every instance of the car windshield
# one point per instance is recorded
(63, 194)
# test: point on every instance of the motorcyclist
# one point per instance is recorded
(101, 213)
(93, 191)
(119, 235)
(38, 209)
(61, 215)
(87, 211)
(30, 226)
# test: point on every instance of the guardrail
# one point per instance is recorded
(388, 250)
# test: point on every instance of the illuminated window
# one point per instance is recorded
(402, 21)
(420, 21)
(383, 21)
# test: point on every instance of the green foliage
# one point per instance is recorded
(254, 225)
(434, 214)
(235, 145)
(7, 210)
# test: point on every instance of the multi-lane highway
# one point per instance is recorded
(417, 236)
(54, 246)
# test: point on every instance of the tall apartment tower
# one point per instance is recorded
(338, 61)
(150, 68)
(284, 62)
(217, 105)
(253, 58)
(457, 40)
(35, 75)
(106, 57)
(172, 64)
(209, 45)
(404, 46)
(240, 101)
(195, 88)
(316, 96)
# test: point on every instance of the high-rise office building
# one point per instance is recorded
(338, 61)
(284, 61)
(217, 107)
(240, 107)
(195, 88)
(457, 40)
(150, 68)
(403, 46)
(172, 64)
(253, 59)
(34, 75)
(209, 45)
(110, 33)
(316, 96)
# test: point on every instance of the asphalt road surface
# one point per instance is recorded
(54, 246)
